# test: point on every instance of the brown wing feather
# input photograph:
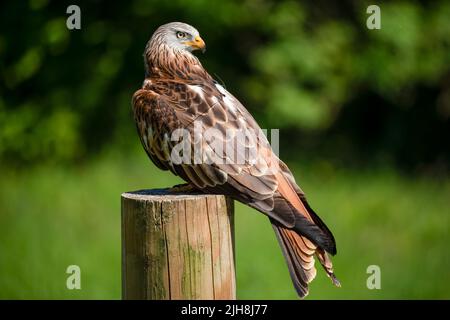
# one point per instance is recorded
(167, 105)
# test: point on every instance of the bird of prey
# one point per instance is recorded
(179, 94)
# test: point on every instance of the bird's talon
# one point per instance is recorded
(181, 188)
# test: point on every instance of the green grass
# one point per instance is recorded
(52, 217)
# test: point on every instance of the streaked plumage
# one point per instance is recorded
(178, 92)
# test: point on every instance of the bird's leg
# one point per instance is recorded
(184, 187)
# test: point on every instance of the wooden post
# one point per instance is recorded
(177, 246)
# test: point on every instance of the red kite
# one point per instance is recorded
(178, 96)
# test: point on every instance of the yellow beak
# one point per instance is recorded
(197, 43)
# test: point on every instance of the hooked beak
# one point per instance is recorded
(197, 44)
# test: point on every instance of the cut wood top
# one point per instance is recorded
(164, 195)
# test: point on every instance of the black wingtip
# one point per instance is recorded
(331, 249)
(327, 244)
(314, 233)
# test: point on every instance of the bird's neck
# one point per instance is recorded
(164, 62)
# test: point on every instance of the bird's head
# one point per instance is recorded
(179, 36)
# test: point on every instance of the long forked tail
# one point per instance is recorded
(299, 254)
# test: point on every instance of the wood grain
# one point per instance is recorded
(177, 246)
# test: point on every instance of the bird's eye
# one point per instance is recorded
(181, 35)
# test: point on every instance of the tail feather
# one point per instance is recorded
(306, 222)
(327, 265)
(306, 225)
(301, 272)
(299, 254)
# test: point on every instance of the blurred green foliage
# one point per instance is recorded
(313, 68)
(53, 217)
